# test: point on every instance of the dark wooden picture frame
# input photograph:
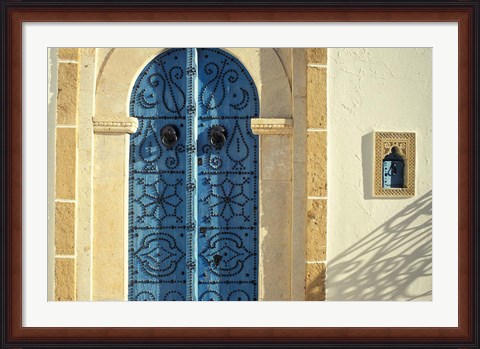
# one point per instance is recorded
(14, 13)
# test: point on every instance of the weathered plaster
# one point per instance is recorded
(377, 249)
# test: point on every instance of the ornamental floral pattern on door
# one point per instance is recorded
(193, 195)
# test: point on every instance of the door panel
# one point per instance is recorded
(227, 211)
(193, 208)
(157, 238)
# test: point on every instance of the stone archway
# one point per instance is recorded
(112, 126)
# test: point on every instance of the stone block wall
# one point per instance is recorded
(66, 175)
(316, 229)
(91, 171)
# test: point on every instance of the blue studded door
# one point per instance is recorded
(193, 198)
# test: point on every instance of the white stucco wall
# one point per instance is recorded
(377, 249)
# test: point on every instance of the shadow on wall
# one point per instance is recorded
(387, 263)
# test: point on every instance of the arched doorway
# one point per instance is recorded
(193, 186)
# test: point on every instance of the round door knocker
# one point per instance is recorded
(218, 136)
(169, 136)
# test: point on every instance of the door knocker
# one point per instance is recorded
(169, 136)
(218, 136)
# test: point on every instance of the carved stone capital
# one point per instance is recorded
(273, 126)
(115, 126)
